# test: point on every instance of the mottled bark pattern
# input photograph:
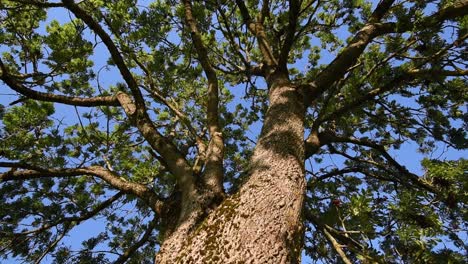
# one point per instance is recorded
(262, 222)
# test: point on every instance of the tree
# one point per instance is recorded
(163, 154)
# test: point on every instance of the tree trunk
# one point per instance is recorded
(262, 222)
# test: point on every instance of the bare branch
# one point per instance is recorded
(49, 97)
(256, 27)
(213, 175)
(294, 9)
(336, 246)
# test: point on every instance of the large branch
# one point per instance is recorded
(256, 27)
(330, 174)
(294, 9)
(402, 78)
(152, 89)
(23, 171)
(136, 111)
(17, 86)
(348, 57)
(176, 162)
(213, 175)
(314, 142)
(38, 4)
(111, 47)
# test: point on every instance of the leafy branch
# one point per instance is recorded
(22, 171)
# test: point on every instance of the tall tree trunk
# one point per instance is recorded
(262, 222)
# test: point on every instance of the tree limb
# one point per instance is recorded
(17, 86)
(80, 218)
(294, 9)
(348, 57)
(136, 112)
(113, 50)
(332, 235)
(332, 173)
(400, 79)
(256, 27)
(314, 142)
(402, 170)
(29, 172)
(336, 246)
(213, 175)
(38, 4)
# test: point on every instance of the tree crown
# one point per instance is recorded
(121, 108)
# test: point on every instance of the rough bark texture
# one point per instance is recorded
(262, 222)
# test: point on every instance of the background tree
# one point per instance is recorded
(142, 117)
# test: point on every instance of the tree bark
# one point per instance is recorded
(262, 222)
